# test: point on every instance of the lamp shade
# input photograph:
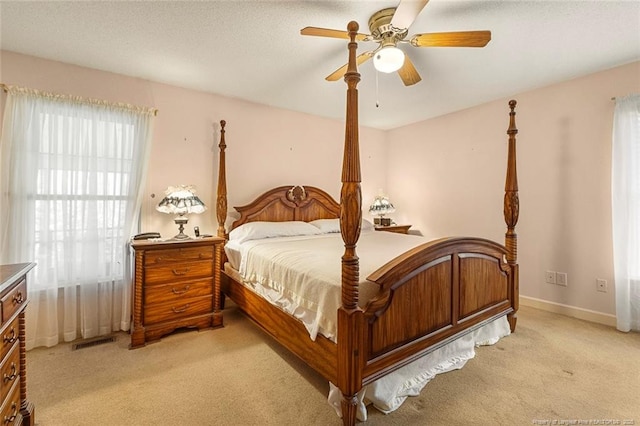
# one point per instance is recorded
(388, 59)
(381, 206)
(181, 200)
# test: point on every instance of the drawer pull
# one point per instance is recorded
(174, 291)
(182, 272)
(11, 337)
(180, 310)
(12, 418)
(13, 374)
(18, 298)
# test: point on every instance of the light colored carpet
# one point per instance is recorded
(554, 368)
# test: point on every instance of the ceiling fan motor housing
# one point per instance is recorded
(381, 28)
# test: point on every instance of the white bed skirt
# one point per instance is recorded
(389, 392)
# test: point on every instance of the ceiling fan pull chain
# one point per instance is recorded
(377, 102)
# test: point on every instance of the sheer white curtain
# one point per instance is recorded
(626, 211)
(72, 175)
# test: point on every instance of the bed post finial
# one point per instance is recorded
(350, 316)
(512, 211)
(221, 202)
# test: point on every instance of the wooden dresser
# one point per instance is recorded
(15, 408)
(176, 285)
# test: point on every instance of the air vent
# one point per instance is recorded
(93, 342)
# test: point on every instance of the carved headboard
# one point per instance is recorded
(305, 203)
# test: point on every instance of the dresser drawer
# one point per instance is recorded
(13, 300)
(177, 271)
(10, 335)
(9, 371)
(184, 254)
(10, 411)
(175, 292)
(177, 309)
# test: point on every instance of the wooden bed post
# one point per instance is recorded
(221, 214)
(221, 202)
(350, 316)
(511, 212)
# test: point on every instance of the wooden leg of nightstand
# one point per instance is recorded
(137, 337)
(216, 319)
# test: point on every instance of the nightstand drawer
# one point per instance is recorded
(171, 256)
(10, 335)
(174, 292)
(177, 271)
(13, 300)
(9, 371)
(177, 309)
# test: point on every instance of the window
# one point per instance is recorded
(72, 173)
(625, 189)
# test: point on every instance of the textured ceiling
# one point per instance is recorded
(253, 50)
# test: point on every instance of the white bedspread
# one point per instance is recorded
(269, 266)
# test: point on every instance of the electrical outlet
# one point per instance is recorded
(550, 277)
(601, 285)
(561, 278)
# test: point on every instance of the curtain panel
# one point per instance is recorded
(625, 182)
(72, 175)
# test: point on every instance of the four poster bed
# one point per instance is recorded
(411, 304)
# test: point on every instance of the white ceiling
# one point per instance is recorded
(253, 50)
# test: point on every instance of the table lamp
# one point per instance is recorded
(181, 200)
(380, 207)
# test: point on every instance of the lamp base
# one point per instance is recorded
(181, 221)
(382, 221)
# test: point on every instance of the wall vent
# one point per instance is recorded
(100, 340)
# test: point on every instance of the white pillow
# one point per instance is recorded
(328, 226)
(366, 225)
(258, 230)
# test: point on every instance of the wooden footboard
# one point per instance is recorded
(431, 295)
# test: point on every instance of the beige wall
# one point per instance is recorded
(446, 177)
(267, 146)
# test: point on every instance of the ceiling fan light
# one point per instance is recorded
(388, 59)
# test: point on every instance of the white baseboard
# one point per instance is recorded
(571, 311)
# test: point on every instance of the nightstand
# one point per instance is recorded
(398, 229)
(176, 285)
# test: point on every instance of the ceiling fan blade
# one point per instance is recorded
(326, 32)
(340, 72)
(407, 12)
(408, 72)
(452, 39)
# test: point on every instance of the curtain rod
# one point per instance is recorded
(6, 87)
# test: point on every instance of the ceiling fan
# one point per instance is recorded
(390, 27)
